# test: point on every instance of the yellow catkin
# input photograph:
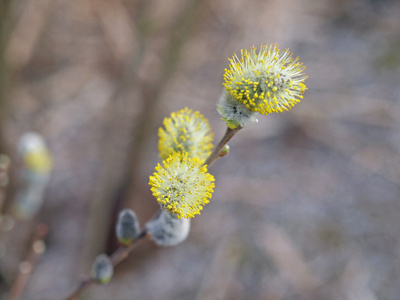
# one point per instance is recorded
(266, 80)
(185, 131)
(182, 185)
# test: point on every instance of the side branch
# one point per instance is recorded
(26, 267)
(218, 149)
(116, 258)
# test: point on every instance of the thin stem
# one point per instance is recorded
(26, 267)
(123, 252)
(218, 149)
(5, 163)
(117, 257)
(83, 285)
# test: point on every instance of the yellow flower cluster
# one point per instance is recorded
(185, 131)
(265, 81)
(38, 161)
(182, 186)
(35, 154)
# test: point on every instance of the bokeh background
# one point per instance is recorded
(306, 205)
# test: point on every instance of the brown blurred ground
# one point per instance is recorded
(306, 204)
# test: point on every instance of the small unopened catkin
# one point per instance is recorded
(102, 269)
(34, 175)
(127, 228)
(167, 230)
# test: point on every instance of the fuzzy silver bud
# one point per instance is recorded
(234, 113)
(34, 175)
(127, 228)
(102, 269)
(167, 230)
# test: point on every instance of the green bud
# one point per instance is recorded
(225, 151)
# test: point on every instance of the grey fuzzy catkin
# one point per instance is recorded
(167, 230)
(102, 269)
(233, 111)
(34, 178)
(127, 228)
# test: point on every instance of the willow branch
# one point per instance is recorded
(117, 257)
(218, 149)
(26, 267)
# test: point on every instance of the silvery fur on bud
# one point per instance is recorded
(167, 230)
(127, 228)
(234, 112)
(102, 269)
(34, 175)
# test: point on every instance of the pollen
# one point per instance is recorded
(275, 75)
(185, 131)
(182, 185)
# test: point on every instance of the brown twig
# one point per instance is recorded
(5, 163)
(218, 149)
(5, 17)
(123, 252)
(116, 258)
(26, 267)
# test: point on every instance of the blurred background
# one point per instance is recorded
(306, 205)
